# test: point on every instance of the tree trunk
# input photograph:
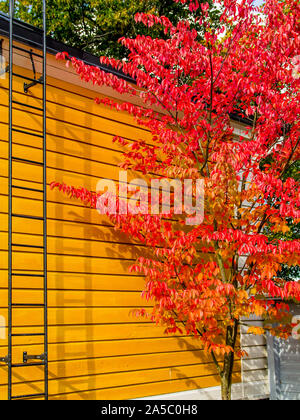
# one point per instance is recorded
(226, 377)
(225, 390)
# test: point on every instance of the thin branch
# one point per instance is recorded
(290, 158)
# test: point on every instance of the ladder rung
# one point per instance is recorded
(39, 81)
(31, 162)
(29, 305)
(19, 397)
(24, 216)
(28, 364)
(28, 246)
(27, 51)
(28, 335)
(27, 275)
(28, 106)
(27, 132)
(27, 189)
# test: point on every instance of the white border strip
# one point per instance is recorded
(247, 391)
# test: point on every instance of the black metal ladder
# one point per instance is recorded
(29, 360)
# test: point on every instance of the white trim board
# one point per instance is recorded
(248, 391)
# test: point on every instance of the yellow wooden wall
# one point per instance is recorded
(98, 349)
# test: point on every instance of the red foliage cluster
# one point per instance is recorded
(203, 279)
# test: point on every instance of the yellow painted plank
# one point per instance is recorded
(70, 108)
(24, 261)
(123, 333)
(78, 281)
(72, 170)
(59, 99)
(76, 212)
(52, 66)
(167, 367)
(67, 169)
(66, 217)
(24, 206)
(70, 146)
(144, 390)
(125, 386)
(64, 246)
(76, 264)
(86, 333)
(29, 145)
(65, 94)
(96, 349)
(74, 316)
(87, 299)
(67, 229)
(64, 122)
(53, 196)
(64, 162)
(61, 210)
(92, 381)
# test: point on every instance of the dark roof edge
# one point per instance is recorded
(243, 120)
(33, 37)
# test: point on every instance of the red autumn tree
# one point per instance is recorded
(203, 279)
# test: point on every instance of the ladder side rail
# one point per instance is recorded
(45, 202)
(42, 81)
(11, 16)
